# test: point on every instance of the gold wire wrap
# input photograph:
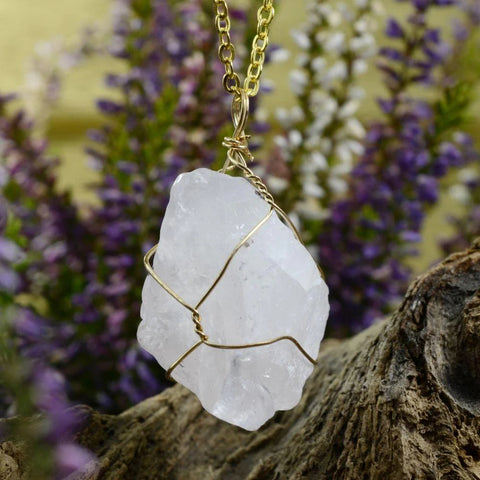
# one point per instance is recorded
(237, 154)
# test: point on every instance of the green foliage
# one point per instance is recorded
(451, 110)
(27, 425)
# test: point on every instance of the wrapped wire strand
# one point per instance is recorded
(237, 155)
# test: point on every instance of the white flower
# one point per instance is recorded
(346, 11)
(377, 8)
(261, 114)
(361, 3)
(330, 104)
(348, 109)
(356, 92)
(356, 147)
(313, 190)
(355, 128)
(337, 185)
(343, 152)
(320, 37)
(335, 42)
(340, 169)
(34, 81)
(337, 71)
(360, 26)
(312, 142)
(460, 193)
(297, 114)
(319, 161)
(277, 184)
(298, 81)
(326, 146)
(302, 60)
(280, 55)
(283, 117)
(49, 49)
(307, 168)
(334, 18)
(468, 174)
(289, 118)
(324, 9)
(363, 44)
(325, 78)
(295, 138)
(301, 39)
(197, 136)
(53, 59)
(359, 67)
(317, 127)
(281, 142)
(309, 209)
(319, 64)
(259, 170)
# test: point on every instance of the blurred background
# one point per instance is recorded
(39, 30)
(35, 33)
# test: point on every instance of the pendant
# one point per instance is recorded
(234, 307)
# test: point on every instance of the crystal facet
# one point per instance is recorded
(271, 288)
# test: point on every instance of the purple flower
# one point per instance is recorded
(373, 229)
(392, 54)
(170, 118)
(32, 388)
(394, 29)
(427, 189)
(71, 458)
(9, 280)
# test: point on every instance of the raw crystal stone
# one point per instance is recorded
(271, 288)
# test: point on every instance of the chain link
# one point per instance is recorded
(226, 50)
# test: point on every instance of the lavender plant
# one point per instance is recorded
(171, 118)
(28, 385)
(466, 189)
(361, 194)
(46, 225)
(39, 411)
(84, 275)
(365, 243)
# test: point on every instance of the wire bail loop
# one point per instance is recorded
(238, 152)
(240, 111)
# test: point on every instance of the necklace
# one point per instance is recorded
(230, 261)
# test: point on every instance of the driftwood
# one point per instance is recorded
(398, 401)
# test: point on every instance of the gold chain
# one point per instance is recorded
(226, 50)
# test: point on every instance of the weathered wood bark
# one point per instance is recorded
(398, 401)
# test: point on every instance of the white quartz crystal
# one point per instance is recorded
(271, 288)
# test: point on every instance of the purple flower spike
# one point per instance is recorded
(373, 229)
(171, 116)
(394, 29)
